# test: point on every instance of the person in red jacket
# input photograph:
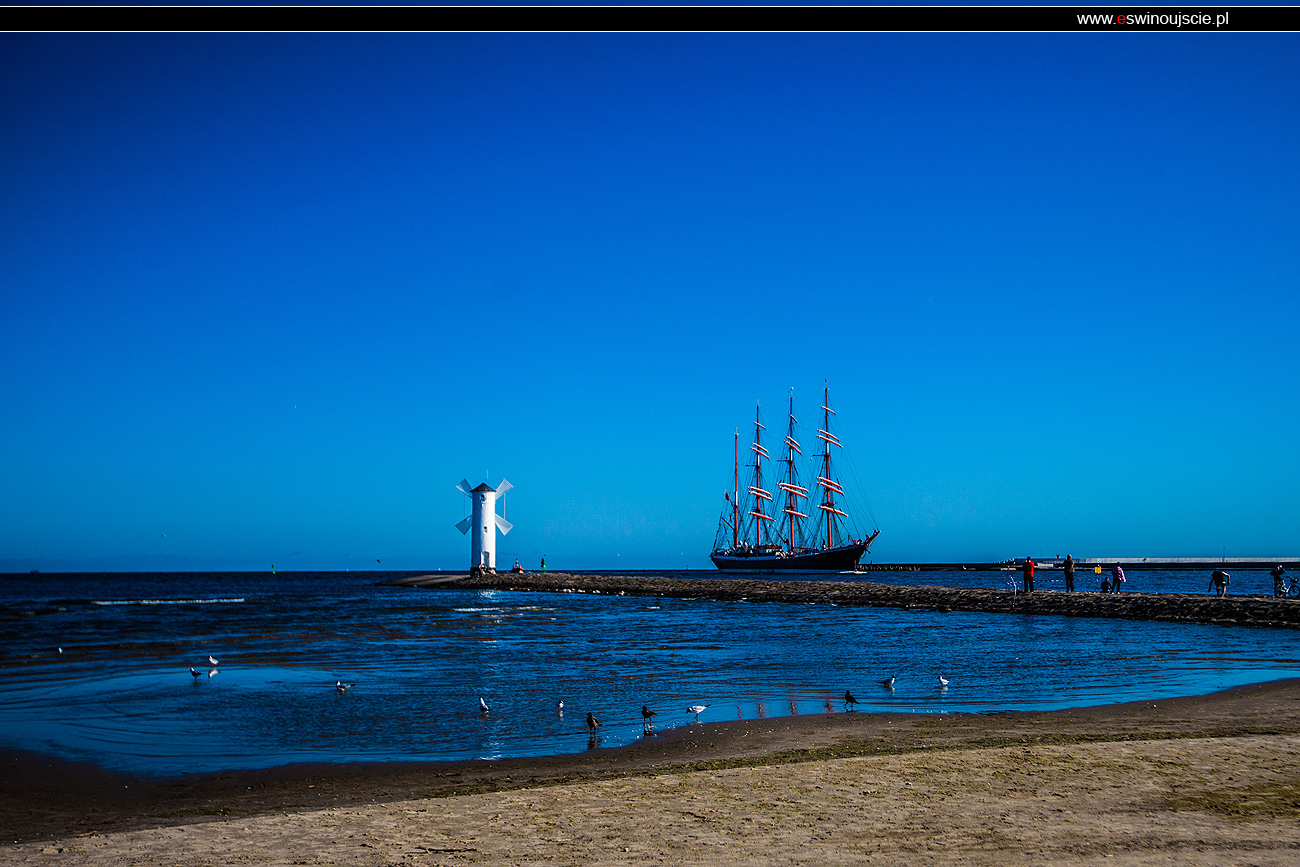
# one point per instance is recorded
(1028, 568)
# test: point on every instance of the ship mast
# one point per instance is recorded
(792, 490)
(756, 490)
(735, 496)
(826, 481)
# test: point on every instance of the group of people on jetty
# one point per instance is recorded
(1110, 584)
(1219, 580)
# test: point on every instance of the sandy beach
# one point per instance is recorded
(1205, 780)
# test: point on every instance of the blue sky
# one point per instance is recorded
(267, 298)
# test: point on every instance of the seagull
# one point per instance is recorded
(559, 705)
(213, 661)
(196, 674)
(340, 686)
(943, 682)
(849, 699)
(888, 683)
(646, 715)
(482, 705)
(696, 709)
(592, 722)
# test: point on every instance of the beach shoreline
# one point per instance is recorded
(45, 799)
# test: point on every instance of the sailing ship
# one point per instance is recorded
(754, 536)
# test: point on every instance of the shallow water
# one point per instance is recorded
(121, 694)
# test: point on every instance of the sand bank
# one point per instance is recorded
(1209, 780)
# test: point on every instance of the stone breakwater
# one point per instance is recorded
(1261, 611)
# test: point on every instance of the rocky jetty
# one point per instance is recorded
(1261, 611)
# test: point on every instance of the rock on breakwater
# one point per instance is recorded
(1260, 611)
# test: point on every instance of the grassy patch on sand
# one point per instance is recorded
(1275, 800)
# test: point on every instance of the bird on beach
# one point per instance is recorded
(213, 661)
(646, 715)
(340, 686)
(482, 705)
(592, 722)
(888, 683)
(559, 705)
(849, 699)
(696, 708)
(943, 682)
(196, 674)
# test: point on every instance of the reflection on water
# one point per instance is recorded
(121, 693)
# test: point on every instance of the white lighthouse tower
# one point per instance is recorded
(484, 521)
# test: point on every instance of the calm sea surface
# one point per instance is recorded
(120, 693)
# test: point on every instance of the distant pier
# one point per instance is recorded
(1258, 611)
(1154, 564)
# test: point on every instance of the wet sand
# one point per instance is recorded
(1205, 780)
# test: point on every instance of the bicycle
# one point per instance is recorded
(1288, 586)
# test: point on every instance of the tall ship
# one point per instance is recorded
(797, 527)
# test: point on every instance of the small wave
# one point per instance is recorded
(167, 601)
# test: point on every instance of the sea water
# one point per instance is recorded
(97, 667)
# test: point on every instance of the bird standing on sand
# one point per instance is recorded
(340, 686)
(849, 699)
(213, 661)
(943, 682)
(592, 722)
(482, 705)
(559, 706)
(196, 674)
(888, 683)
(646, 716)
(696, 708)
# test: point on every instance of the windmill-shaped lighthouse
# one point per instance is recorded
(484, 520)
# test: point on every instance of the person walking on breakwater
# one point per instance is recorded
(1277, 574)
(1067, 568)
(1219, 581)
(1116, 578)
(1028, 569)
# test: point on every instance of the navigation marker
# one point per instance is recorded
(485, 522)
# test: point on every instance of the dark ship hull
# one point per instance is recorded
(842, 559)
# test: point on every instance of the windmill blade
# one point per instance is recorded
(464, 525)
(464, 488)
(503, 487)
(503, 525)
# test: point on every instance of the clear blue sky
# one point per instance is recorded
(268, 298)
